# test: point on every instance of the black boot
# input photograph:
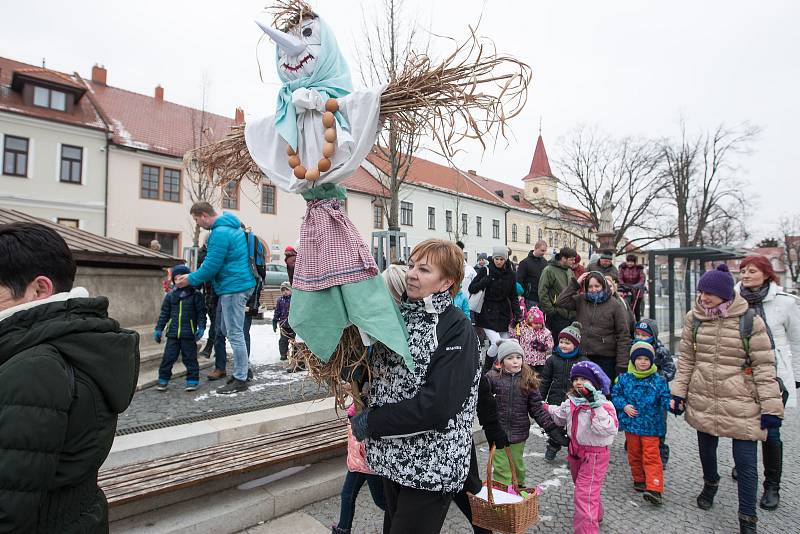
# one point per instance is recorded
(747, 524)
(772, 452)
(706, 498)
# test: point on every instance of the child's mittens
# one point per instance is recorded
(199, 334)
(595, 398)
(677, 405)
(157, 336)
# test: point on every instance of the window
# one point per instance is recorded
(172, 185)
(550, 240)
(540, 234)
(407, 213)
(268, 199)
(150, 182)
(478, 225)
(431, 218)
(495, 229)
(170, 243)
(71, 164)
(527, 235)
(15, 156)
(230, 196)
(464, 223)
(448, 221)
(69, 223)
(377, 217)
(49, 98)
(514, 232)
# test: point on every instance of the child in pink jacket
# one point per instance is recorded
(591, 423)
(535, 339)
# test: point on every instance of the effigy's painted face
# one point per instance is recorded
(295, 65)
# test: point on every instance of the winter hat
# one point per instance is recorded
(507, 348)
(395, 279)
(286, 285)
(642, 348)
(591, 372)
(718, 282)
(180, 269)
(606, 255)
(535, 315)
(500, 251)
(290, 251)
(645, 328)
(572, 333)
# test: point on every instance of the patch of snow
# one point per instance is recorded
(272, 478)
(533, 454)
(264, 344)
(550, 483)
(561, 471)
(546, 517)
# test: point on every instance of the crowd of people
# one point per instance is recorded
(533, 341)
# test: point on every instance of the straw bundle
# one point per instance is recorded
(287, 13)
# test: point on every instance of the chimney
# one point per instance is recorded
(238, 116)
(99, 74)
(159, 95)
(472, 172)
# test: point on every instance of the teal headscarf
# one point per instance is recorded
(331, 78)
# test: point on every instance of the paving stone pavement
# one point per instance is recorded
(626, 512)
(271, 384)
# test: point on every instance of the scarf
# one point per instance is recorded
(641, 374)
(568, 355)
(331, 79)
(421, 317)
(755, 298)
(719, 311)
(597, 298)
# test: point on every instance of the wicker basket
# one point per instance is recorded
(506, 518)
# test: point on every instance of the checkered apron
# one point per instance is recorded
(332, 252)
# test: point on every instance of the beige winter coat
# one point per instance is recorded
(721, 398)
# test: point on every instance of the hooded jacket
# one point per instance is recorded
(783, 318)
(500, 302)
(227, 263)
(554, 381)
(555, 278)
(606, 326)
(514, 406)
(722, 398)
(528, 274)
(183, 313)
(650, 396)
(66, 371)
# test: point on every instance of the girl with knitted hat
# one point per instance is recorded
(727, 385)
(536, 339)
(591, 423)
(516, 390)
(643, 397)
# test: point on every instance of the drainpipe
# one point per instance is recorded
(105, 206)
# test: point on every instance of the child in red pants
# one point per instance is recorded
(591, 423)
(642, 395)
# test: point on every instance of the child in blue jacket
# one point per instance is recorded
(641, 396)
(183, 320)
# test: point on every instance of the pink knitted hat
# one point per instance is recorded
(535, 315)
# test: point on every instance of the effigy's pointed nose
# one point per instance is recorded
(286, 42)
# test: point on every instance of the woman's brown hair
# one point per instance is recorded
(446, 256)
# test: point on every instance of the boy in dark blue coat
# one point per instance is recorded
(183, 320)
(647, 330)
(641, 397)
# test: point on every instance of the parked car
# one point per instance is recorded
(276, 274)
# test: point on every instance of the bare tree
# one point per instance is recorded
(789, 228)
(200, 187)
(390, 40)
(702, 179)
(593, 164)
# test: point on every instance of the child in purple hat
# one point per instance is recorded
(591, 422)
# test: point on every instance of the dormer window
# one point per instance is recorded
(49, 98)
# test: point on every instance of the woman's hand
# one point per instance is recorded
(582, 277)
(677, 405)
(630, 410)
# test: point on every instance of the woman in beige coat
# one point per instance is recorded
(726, 390)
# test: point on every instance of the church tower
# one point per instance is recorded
(541, 187)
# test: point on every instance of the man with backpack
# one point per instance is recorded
(67, 370)
(229, 267)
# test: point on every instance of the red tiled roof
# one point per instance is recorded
(11, 101)
(509, 191)
(775, 255)
(363, 182)
(142, 122)
(51, 76)
(430, 174)
(540, 166)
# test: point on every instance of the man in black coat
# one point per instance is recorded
(529, 271)
(66, 371)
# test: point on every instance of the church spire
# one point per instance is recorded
(540, 166)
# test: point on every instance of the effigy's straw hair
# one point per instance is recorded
(287, 13)
(350, 354)
(469, 95)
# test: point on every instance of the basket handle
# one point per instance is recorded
(489, 465)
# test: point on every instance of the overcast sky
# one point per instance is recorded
(627, 67)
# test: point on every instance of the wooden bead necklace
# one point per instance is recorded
(328, 149)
